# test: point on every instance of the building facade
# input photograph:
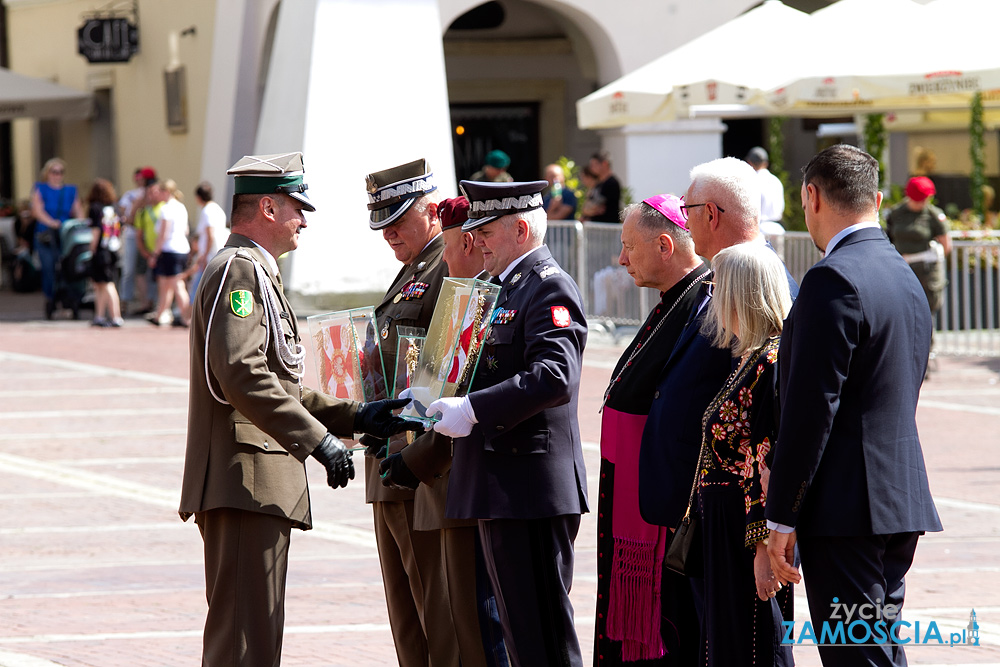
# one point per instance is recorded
(357, 86)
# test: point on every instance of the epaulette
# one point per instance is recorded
(545, 269)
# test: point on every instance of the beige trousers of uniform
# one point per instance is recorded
(416, 589)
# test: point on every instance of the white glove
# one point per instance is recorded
(457, 416)
(406, 393)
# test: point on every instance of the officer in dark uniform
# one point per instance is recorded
(403, 204)
(518, 464)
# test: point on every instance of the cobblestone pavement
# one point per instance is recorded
(97, 569)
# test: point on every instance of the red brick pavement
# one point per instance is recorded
(96, 568)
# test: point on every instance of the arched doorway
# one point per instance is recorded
(515, 70)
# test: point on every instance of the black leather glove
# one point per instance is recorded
(376, 418)
(334, 456)
(396, 473)
(375, 447)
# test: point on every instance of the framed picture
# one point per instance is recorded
(348, 356)
(447, 363)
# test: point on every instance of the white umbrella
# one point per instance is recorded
(743, 77)
(928, 57)
(645, 95)
(26, 96)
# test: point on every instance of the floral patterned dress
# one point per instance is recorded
(740, 427)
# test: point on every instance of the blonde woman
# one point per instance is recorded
(171, 254)
(52, 202)
(744, 603)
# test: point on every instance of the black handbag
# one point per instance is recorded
(684, 553)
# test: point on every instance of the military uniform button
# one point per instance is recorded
(295, 445)
(265, 445)
(500, 427)
(656, 394)
(513, 450)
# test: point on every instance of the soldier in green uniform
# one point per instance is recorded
(251, 422)
(919, 230)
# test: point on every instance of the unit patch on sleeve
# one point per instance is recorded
(241, 301)
(560, 316)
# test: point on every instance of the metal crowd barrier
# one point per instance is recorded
(968, 323)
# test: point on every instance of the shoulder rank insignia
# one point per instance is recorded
(548, 271)
(503, 316)
(241, 301)
(560, 316)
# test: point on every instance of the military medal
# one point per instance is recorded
(503, 316)
(411, 290)
(385, 328)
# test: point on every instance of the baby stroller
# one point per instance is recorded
(73, 269)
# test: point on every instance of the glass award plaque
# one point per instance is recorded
(448, 360)
(348, 356)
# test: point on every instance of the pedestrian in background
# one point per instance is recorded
(495, 168)
(147, 212)
(128, 206)
(558, 200)
(919, 230)
(605, 197)
(104, 250)
(53, 201)
(210, 233)
(171, 254)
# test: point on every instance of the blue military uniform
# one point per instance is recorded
(520, 471)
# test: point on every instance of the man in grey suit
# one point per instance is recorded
(848, 483)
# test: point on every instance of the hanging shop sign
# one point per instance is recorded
(108, 40)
